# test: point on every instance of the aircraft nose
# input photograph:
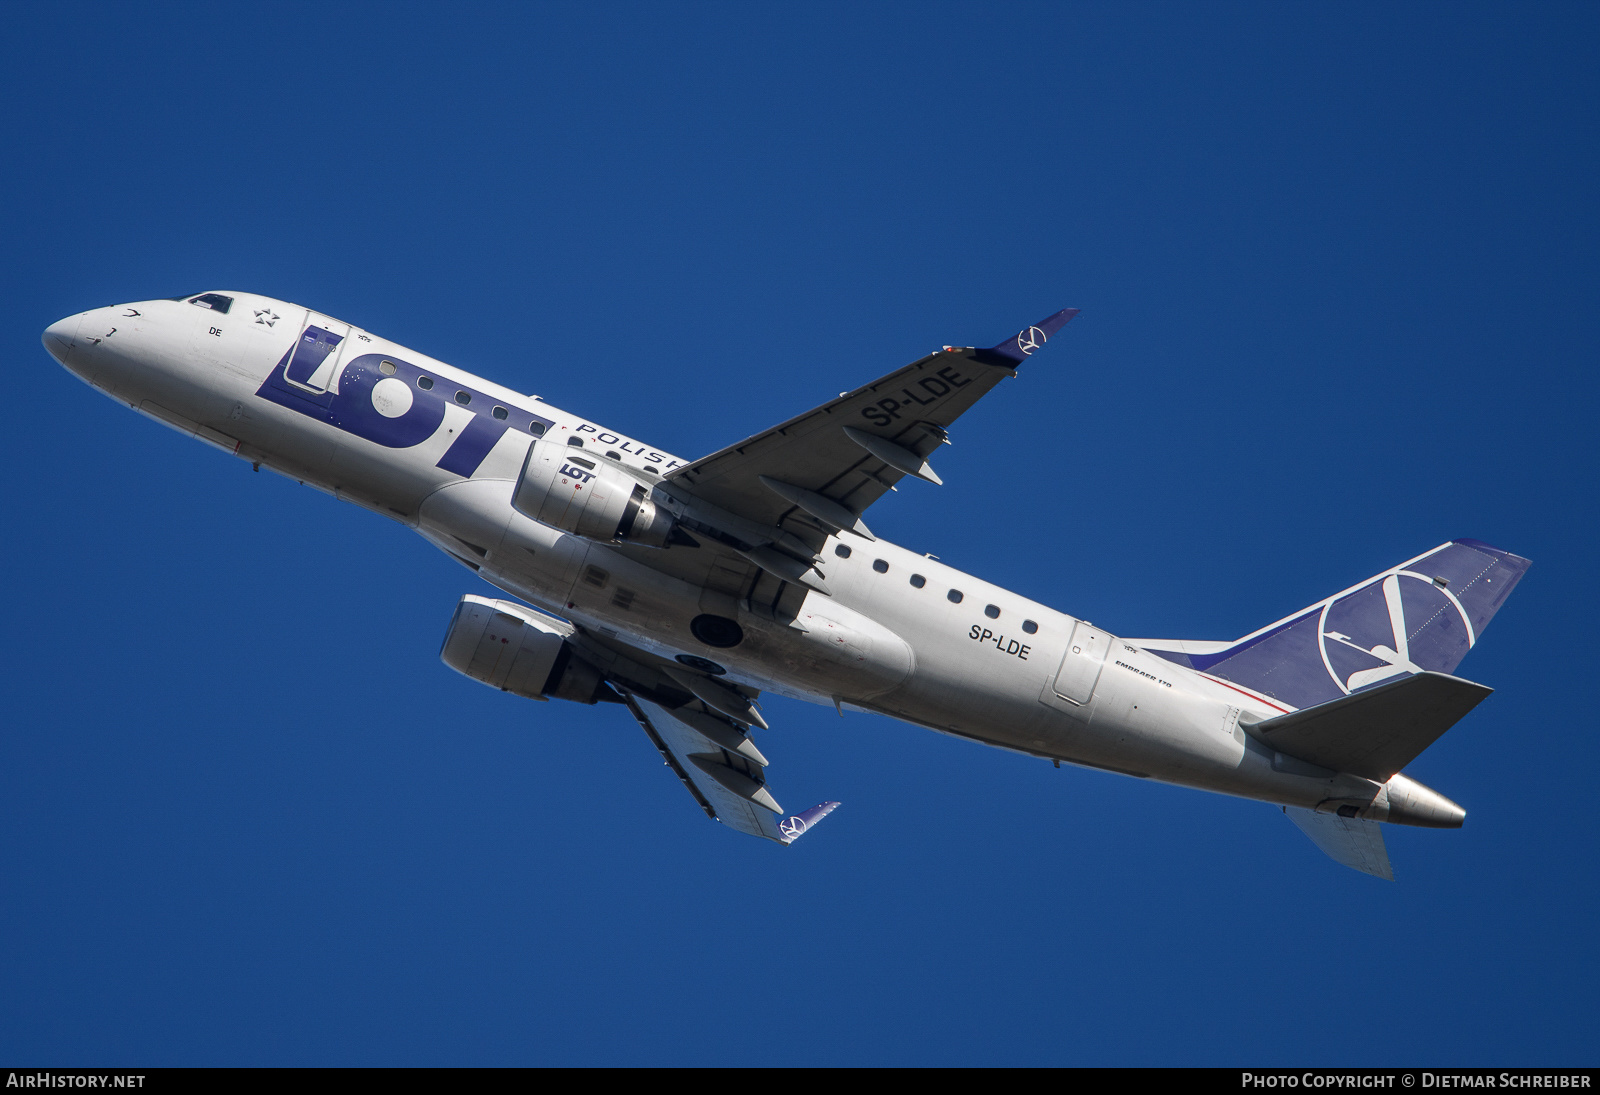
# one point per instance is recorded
(58, 337)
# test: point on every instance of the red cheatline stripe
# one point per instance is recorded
(1242, 692)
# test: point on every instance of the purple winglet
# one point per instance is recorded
(794, 826)
(1013, 351)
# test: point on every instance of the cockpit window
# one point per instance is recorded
(215, 301)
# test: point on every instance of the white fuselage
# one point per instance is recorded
(893, 637)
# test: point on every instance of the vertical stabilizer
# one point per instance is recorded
(1422, 615)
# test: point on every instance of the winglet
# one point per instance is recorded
(1013, 351)
(795, 826)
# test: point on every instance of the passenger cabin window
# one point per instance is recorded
(536, 428)
(842, 551)
(424, 382)
(501, 413)
(649, 469)
(991, 611)
(955, 596)
(614, 455)
(463, 398)
(918, 581)
(1030, 627)
(215, 301)
(575, 442)
(880, 566)
(387, 368)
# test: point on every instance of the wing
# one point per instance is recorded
(728, 783)
(815, 474)
(763, 508)
(701, 726)
(1352, 841)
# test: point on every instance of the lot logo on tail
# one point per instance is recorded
(1403, 623)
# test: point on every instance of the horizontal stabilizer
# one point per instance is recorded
(1375, 733)
(1349, 840)
(826, 467)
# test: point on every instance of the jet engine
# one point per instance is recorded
(590, 497)
(516, 650)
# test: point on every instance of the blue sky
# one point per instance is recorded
(1338, 272)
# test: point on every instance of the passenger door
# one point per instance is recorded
(1082, 663)
(317, 355)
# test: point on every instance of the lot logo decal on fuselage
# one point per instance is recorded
(309, 379)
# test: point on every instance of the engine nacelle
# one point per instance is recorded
(588, 496)
(511, 648)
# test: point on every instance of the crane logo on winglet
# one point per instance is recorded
(1031, 339)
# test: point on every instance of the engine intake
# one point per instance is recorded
(514, 649)
(589, 497)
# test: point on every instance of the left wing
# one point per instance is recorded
(815, 474)
(763, 508)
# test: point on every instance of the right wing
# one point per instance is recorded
(729, 784)
(699, 723)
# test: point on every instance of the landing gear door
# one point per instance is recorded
(1081, 665)
(317, 355)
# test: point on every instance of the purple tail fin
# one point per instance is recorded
(1424, 614)
(795, 826)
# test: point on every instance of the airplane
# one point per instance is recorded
(684, 590)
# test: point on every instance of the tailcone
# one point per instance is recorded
(1413, 803)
